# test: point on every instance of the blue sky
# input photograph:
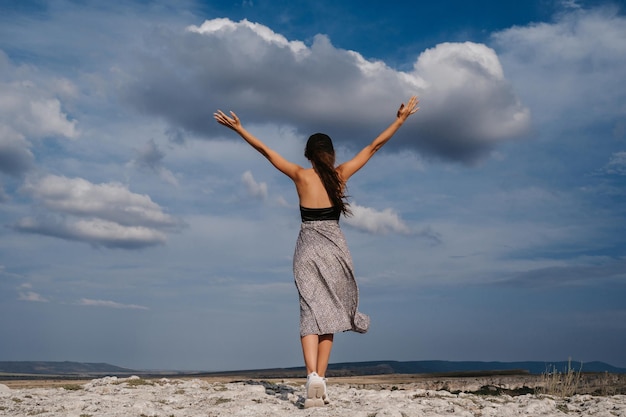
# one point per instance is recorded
(137, 231)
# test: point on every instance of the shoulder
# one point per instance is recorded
(305, 173)
(341, 173)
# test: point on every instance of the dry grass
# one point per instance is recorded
(561, 384)
(72, 387)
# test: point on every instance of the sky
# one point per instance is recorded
(137, 231)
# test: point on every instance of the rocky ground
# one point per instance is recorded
(390, 395)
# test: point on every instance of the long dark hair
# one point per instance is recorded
(320, 151)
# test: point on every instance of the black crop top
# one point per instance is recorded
(313, 214)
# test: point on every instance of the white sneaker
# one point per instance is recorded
(314, 390)
(325, 396)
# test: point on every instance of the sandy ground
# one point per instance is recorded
(397, 396)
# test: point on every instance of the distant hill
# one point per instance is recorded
(78, 369)
(434, 367)
(429, 368)
(62, 368)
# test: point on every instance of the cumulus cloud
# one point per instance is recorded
(95, 231)
(254, 189)
(109, 304)
(29, 111)
(100, 214)
(23, 108)
(467, 104)
(223, 25)
(570, 69)
(378, 222)
(384, 222)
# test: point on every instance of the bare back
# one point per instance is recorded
(309, 186)
(311, 190)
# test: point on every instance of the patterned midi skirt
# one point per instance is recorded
(324, 275)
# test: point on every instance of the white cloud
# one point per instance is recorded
(94, 231)
(571, 70)
(33, 109)
(29, 109)
(31, 296)
(110, 201)
(109, 304)
(377, 222)
(222, 25)
(44, 117)
(467, 104)
(101, 214)
(255, 189)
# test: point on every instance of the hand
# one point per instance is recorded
(230, 122)
(411, 108)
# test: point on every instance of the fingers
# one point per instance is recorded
(219, 116)
(222, 119)
(230, 122)
(412, 107)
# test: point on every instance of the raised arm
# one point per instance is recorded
(288, 168)
(348, 168)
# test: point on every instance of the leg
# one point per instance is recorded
(316, 350)
(310, 344)
(324, 347)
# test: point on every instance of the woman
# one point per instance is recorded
(322, 263)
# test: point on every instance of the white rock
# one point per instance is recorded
(190, 398)
(389, 412)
